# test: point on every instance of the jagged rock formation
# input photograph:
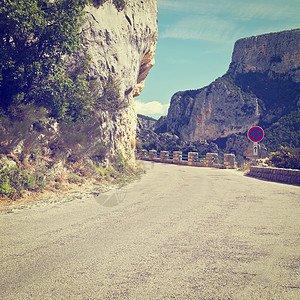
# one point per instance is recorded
(276, 55)
(145, 122)
(261, 85)
(121, 43)
(212, 112)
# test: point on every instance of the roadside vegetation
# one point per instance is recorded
(14, 181)
(285, 158)
(17, 182)
(50, 134)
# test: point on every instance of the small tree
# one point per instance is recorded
(34, 36)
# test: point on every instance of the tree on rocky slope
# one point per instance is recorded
(35, 35)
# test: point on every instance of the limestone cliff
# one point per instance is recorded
(39, 149)
(122, 44)
(276, 55)
(145, 122)
(212, 112)
(261, 85)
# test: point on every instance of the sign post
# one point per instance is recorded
(255, 148)
(255, 135)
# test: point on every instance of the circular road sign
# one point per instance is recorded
(255, 134)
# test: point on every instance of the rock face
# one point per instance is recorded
(145, 122)
(212, 112)
(276, 55)
(261, 85)
(121, 44)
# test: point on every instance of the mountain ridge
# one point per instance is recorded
(261, 86)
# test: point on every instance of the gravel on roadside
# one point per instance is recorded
(46, 197)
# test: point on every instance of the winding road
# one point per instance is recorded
(177, 233)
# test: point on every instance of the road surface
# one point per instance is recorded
(177, 233)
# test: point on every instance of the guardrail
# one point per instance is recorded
(276, 174)
(190, 159)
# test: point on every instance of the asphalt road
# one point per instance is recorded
(177, 233)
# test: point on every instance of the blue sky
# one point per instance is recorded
(196, 39)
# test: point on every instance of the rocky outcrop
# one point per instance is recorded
(144, 122)
(121, 44)
(276, 55)
(212, 112)
(261, 85)
(37, 150)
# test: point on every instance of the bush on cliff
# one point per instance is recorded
(66, 94)
(285, 158)
(14, 181)
(34, 37)
(37, 39)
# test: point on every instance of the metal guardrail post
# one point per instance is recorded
(184, 157)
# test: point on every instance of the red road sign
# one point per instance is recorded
(255, 134)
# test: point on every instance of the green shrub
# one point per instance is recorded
(284, 132)
(35, 37)
(99, 170)
(66, 93)
(121, 165)
(119, 4)
(110, 94)
(5, 188)
(13, 181)
(99, 152)
(19, 126)
(285, 158)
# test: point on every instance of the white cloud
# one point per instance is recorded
(151, 108)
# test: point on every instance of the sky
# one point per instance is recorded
(196, 40)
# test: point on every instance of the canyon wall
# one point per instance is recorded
(38, 150)
(261, 86)
(276, 55)
(121, 44)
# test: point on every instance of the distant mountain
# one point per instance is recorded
(261, 87)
